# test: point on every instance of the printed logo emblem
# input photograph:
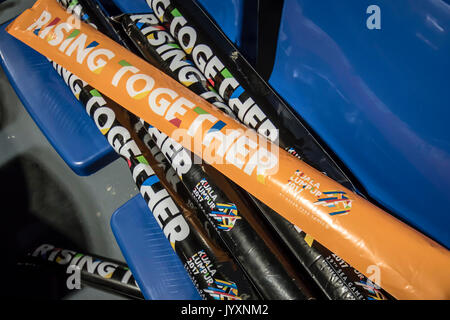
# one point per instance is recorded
(225, 290)
(226, 216)
(372, 288)
(337, 200)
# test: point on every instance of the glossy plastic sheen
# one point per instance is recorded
(378, 98)
(53, 107)
(228, 16)
(155, 266)
(136, 6)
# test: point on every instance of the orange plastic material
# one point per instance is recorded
(408, 264)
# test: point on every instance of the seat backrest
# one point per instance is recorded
(377, 97)
(155, 266)
(51, 104)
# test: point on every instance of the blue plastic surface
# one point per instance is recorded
(155, 266)
(380, 99)
(51, 104)
(226, 13)
(135, 6)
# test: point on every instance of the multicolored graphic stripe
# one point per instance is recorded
(373, 289)
(337, 200)
(224, 290)
(226, 216)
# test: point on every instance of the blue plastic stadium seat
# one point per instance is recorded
(156, 268)
(228, 15)
(51, 104)
(136, 6)
(378, 98)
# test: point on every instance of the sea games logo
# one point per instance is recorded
(223, 290)
(226, 215)
(218, 289)
(337, 201)
(373, 289)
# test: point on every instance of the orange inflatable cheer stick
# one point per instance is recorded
(410, 265)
